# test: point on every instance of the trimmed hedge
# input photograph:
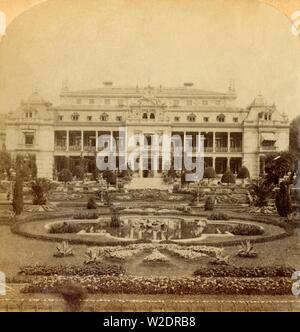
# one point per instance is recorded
(246, 272)
(64, 227)
(72, 270)
(164, 285)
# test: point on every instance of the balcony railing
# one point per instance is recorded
(74, 147)
(89, 148)
(236, 149)
(221, 149)
(208, 149)
(60, 148)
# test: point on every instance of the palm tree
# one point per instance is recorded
(261, 191)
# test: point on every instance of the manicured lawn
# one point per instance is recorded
(17, 251)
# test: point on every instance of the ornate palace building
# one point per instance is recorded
(233, 136)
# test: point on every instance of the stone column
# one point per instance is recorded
(81, 140)
(68, 143)
(96, 140)
(214, 141)
(228, 141)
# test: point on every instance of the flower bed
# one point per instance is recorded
(121, 255)
(156, 257)
(71, 270)
(188, 254)
(86, 215)
(246, 272)
(162, 285)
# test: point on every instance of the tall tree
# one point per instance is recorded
(17, 201)
(295, 135)
(5, 163)
(278, 165)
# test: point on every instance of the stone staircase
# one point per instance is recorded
(147, 183)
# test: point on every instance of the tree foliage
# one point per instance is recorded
(26, 166)
(65, 175)
(228, 177)
(261, 191)
(243, 173)
(278, 165)
(283, 200)
(5, 163)
(39, 190)
(209, 173)
(295, 136)
(78, 171)
(17, 202)
(91, 204)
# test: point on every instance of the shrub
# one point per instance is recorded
(64, 227)
(64, 250)
(209, 173)
(209, 203)
(39, 190)
(246, 250)
(218, 216)
(78, 171)
(243, 173)
(71, 270)
(247, 229)
(283, 200)
(110, 177)
(244, 272)
(228, 177)
(115, 219)
(86, 215)
(65, 175)
(17, 202)
(91, 204)
(164, 285)
(73, 294)
(260, 192)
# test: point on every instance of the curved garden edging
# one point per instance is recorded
(18, 228)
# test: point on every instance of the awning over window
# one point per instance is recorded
(268, 137)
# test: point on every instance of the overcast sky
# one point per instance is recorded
(163, 42)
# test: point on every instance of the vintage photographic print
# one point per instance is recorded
(149, 156)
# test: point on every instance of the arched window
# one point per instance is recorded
(221, 118)
(104, 117)
(75, 117)
(152, 116)
(191, 117)
(145, 116)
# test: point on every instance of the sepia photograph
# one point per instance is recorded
(149, 158)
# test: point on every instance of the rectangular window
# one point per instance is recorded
(107, 101)
(205, 102)
(235, 119)
(119, 118)
(60, 117)
(91, 101)
(189, 102)
(206, 119)
(176, 103)
(78, 101)
(29, 138)
(177, 119)
(120, 102)
(89, 118)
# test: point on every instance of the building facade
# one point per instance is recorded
(233, 136)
